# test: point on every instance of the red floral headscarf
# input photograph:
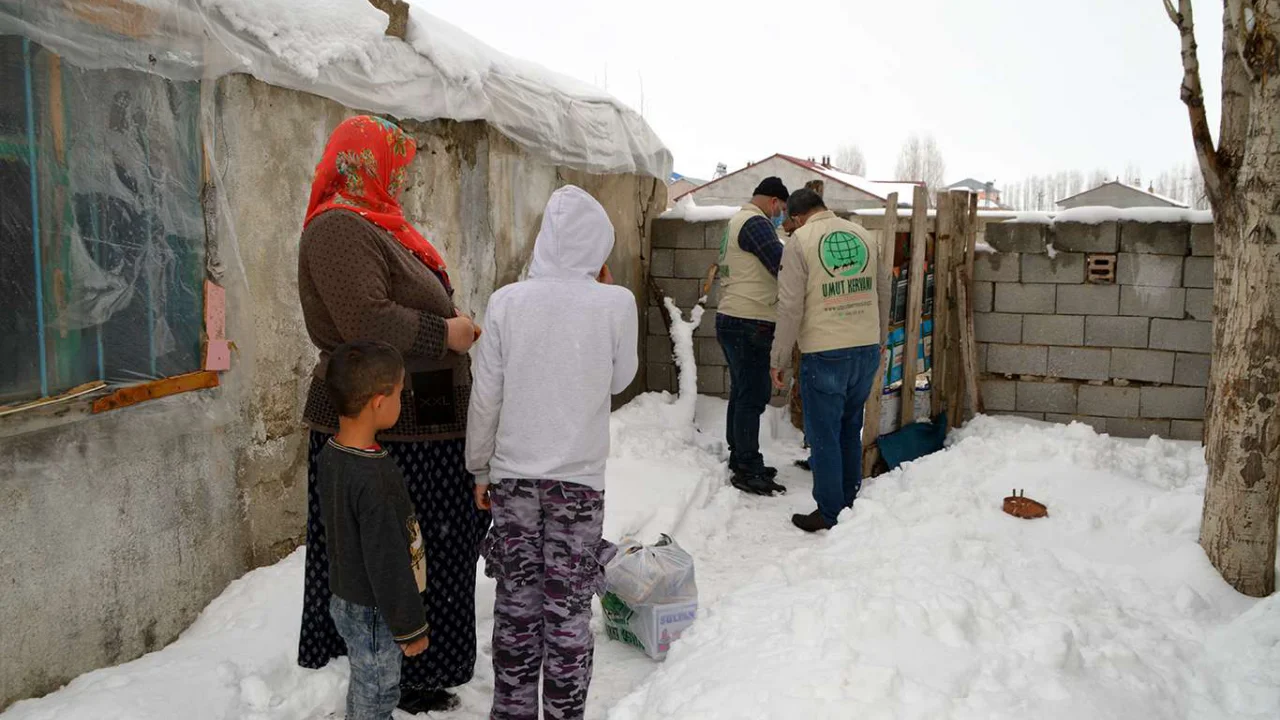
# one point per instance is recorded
(363, 171)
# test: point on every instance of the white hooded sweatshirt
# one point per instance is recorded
(555, 348)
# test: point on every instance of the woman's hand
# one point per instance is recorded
(482, 497)
(463, 333)
(605, 276)
(417, 647)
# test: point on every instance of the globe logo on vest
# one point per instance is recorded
(843, 254)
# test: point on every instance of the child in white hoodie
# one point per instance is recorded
(556, 347)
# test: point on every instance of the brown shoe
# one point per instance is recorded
(811, 523)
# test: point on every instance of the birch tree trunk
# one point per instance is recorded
(1242, 179)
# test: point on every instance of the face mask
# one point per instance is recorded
(777, 221)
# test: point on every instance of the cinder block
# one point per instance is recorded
(1017, 359)
(1182, 335)
(1078, 364)
(1200, 304)
(710, 353)
(662, 263)
(1173, 402)
(679, 234)
(1149, 270)
(1053, 329)
(1047, 397)
(655, 323)
(707, 328)
(1088, 299)
(714, 233)
(1099, 424)
(999, 395)
(1086, 237)
(1192, 370)
(1118, 332)
(1134, 428)
(1019, 298)
(982, 357)
(1062, 268)
(1109, 402)
(711, 381)
(658, 349)
(1202, 240)
(1142, 365)
(1139, 300)
(1198, 272)
(1187, 430)
(997, 328)
(997, 267)
(684, 293)
(983, 293)
(660, 378)
(694, 264)
(1155, 238)
(1016, 237)
(1024, 415)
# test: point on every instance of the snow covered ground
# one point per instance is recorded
(926, 601)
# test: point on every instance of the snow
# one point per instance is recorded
(1094, 215)
(689, 211)
(686, 362)
(338, 49)
(926, 600)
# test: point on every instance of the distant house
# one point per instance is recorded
(842, 191)
(988, 194)
(678, 185)
(1118, 195)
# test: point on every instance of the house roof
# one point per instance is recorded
(877, 189)
(969, 184)
(1157, 196)
(338, 49)
(677, 177)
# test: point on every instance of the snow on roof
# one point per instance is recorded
(1157, 196)
(338, 49)
(968, 184)
(689, 211)
(1094, 215)
(875, 188)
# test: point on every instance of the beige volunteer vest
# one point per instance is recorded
(747, 289)
(841, 306)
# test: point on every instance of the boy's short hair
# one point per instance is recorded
(803, 202)
(359, 371)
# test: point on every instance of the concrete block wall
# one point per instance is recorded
(1129, 357)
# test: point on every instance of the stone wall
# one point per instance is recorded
(119, 528)
(1129, 357)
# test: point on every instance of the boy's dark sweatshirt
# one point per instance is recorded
(376, 557)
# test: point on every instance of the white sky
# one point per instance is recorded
(1008, 87)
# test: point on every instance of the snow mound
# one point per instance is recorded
(928, 601)
(689, 211)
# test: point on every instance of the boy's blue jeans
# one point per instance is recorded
(834, 387)
(375, 660)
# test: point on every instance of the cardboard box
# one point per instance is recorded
(651, 628)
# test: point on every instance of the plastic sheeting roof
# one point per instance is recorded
(338, 49)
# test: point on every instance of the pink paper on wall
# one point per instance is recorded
(217, 353)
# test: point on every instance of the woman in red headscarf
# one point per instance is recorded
(365, 273)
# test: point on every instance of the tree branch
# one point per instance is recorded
(1193, 97)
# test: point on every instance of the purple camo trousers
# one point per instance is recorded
(546, 552)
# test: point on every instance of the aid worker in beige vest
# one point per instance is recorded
(750, 252)
(827, 301)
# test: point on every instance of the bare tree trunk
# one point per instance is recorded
(1242, 177)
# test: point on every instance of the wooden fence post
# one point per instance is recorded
(884, 287)
(915, 299)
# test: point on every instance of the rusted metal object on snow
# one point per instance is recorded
(1019, 505)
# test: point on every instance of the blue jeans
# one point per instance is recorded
(746, 345)
(375, 660)
(834, 387)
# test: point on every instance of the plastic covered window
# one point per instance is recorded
(102, 241)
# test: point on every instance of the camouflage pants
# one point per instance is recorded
(546, 552)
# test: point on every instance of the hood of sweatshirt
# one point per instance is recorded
(576, 237)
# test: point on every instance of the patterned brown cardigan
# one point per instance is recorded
(356, 282)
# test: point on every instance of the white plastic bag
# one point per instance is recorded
(651, 596)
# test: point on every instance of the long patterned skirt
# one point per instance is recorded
(452, 529)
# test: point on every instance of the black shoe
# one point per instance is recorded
(766, 471)
(416, 701)
(804, 465)
(754, 484)
(811, 523)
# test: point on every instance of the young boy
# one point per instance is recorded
(556, 348)
(377, 566)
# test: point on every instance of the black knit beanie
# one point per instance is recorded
(772, 187)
